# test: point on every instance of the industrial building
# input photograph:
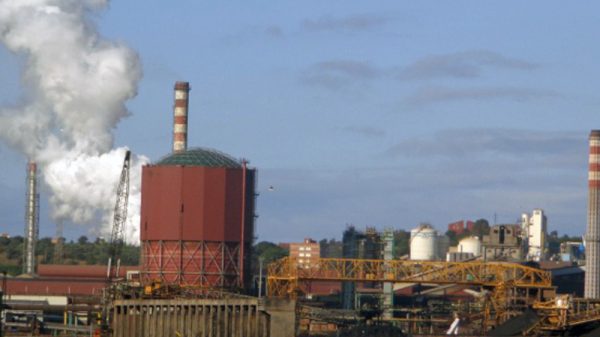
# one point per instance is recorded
(534, 231)
(504, 243)
(197, 213)
(459, 227)
(468, 248)
(305, 252)
(427, 244)
(197, 228)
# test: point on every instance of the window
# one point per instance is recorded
(307, 254)
(301, 248)
(308, 248)
(301, 254)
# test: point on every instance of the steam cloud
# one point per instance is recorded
(76, 87)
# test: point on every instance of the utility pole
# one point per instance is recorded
(260, 275)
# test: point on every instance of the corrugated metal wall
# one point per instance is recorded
(191, 224)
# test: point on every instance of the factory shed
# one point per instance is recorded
(54, 286)
(78, 271)
(64, 280)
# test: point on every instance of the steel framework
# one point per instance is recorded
(200, 263)
(285, 276)
(507, 288)
(119, 216)
(564, 312)
(32, 220)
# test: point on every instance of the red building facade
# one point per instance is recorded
(460, 226)
(197, 220)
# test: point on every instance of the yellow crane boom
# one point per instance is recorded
(285, 275)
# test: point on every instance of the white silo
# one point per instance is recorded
(423, 243)
(470, 244)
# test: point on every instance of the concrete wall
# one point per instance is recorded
(282, 314)
(204, 318)
(189, 318)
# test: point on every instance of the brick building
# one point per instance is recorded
(305, 252)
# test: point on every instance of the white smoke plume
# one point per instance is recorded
(76, 85)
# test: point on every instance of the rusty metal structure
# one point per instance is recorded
(508, 288)
(197, 220)
(197, 213)
(285, 278)
(119, 218)
(563, 313)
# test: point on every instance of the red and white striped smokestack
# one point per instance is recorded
(180, 116)
(592, 237)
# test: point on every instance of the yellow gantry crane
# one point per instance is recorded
(564, 312)
(506, 285)
(285, 276)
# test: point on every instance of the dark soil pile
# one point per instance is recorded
(371, 331)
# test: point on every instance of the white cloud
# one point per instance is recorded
(467, 64)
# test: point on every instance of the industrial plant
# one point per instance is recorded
(199, 275)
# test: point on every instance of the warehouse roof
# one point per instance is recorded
(200, 157)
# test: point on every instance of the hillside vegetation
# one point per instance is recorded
(80, 252)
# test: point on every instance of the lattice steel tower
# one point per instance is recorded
(32, 211)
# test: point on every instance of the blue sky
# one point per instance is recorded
(385, 114)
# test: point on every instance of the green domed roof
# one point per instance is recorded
(200, 157)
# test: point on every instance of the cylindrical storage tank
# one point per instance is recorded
(197, 220)
(470, 244)
(423, 243)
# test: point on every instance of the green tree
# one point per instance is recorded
(130, 255)
(83, 240)
(453, 237)
(481, 228)
(14, 250)
(331, 248)
(44, 249)
(401, 243)
(269, 251)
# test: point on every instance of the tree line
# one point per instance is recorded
(85, 252)
(81, 251)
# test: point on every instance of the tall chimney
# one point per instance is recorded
(31, 219)
(592, 237)
(180, 115)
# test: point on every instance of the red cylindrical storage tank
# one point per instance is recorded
(197, 220)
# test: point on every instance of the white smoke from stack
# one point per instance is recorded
(76, 85)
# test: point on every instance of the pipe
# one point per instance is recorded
(243, 224)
